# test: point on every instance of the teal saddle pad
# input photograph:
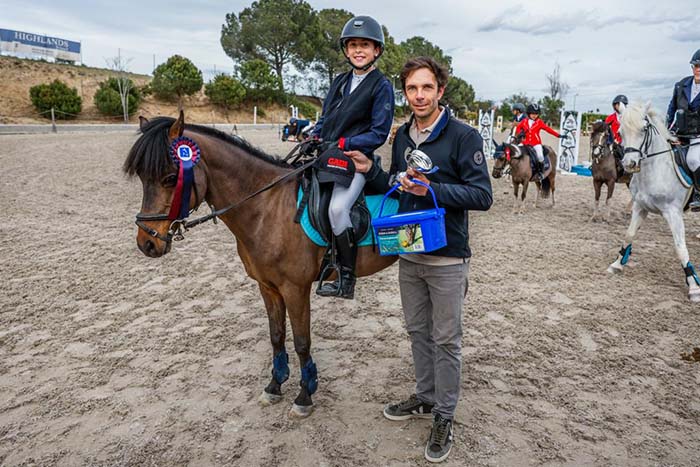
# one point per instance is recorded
(374, 202)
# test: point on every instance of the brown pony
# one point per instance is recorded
(604, 167)
(521, 174)
(274, 250)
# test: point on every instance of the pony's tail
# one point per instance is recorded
(546, 186)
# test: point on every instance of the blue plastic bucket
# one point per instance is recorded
(410, 232)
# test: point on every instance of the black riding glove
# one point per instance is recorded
(310, 146)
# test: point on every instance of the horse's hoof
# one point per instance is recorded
(300, 411)
(694, 296)
(615, 269)
(266, 399)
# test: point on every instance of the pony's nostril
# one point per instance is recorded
(149, 246)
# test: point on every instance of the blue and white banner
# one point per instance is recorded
(570, 127)
(486, 131)
(26, 43)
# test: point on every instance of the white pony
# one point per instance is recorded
(655, 186)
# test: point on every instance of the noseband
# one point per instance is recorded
(177, 227)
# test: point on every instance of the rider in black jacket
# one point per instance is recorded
(357, 114)
(683, 118)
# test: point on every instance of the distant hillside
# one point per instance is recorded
(19, 75)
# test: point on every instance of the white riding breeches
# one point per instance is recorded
(341, 203)
(540, 152)
(693, 157)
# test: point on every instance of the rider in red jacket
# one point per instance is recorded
(613, 120)
(529, 131)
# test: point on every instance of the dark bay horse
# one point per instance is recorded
(604, 167)
(521, 173)
(274, 250)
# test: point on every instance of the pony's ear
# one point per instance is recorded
(143, 121)
(647, 107)
(178, 127)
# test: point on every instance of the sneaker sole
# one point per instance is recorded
(398, 418)
(435, 460)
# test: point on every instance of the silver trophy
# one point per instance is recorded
(418, 161)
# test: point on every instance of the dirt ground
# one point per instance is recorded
(111, 358)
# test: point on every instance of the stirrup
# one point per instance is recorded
(335, 292)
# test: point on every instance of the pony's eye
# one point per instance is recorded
(170, 180)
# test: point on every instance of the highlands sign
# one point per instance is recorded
(25, 43)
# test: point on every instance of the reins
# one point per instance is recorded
(179, 226)
(649, 130)
(187, 225)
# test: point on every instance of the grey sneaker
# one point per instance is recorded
(440, 442)
(410, 408)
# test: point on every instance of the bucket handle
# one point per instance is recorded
(397, 185)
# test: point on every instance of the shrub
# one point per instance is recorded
(176, 78)
(306, 108)
(108, 100)
(57, 95)
(225, 91)
(259, 80)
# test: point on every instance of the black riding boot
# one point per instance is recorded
(539, 167)
(695, 200)
(343, 286)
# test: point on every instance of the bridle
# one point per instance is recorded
(649, 131)
(506, 156)
(597, 150)
(178, 227)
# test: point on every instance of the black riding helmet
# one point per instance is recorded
(519, 107)
(533, 109)
(363, 27)
(620, 98)
(696, 58)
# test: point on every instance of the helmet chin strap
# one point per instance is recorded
(362, 68)
(366, 67)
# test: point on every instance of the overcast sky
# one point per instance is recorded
(639, 48)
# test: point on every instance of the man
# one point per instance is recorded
(434, 285)
(683, 118)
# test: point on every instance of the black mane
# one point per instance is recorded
(149, 157)
(599, 126)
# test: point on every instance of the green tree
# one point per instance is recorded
(485, 105)
(57, 95)
(418, 46)
(392, 60)
(329, 55)
(554, 101)
(178, 77)
(551, 110)
(108, 99)
(276, 31)
(259, 80)
(225, 91)
(459, 95)
(506, 108)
